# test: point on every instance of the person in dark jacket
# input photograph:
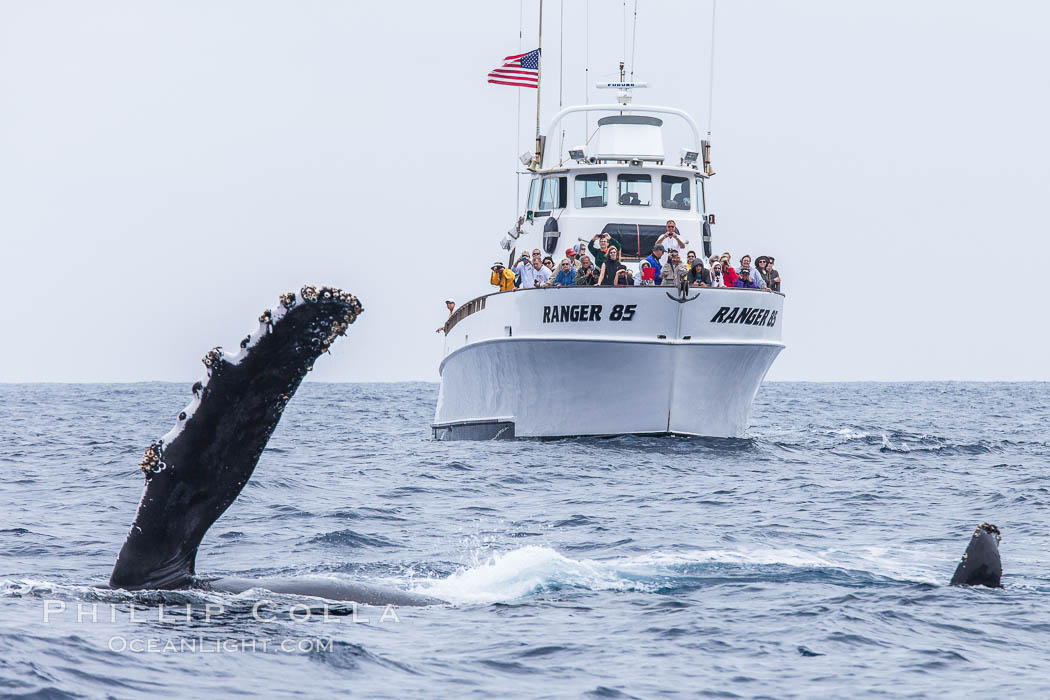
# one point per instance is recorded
(609, 268)
(623, 277)
(587, 275)
(698, 275)
(774, 276)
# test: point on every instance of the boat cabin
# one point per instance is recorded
(622, 185)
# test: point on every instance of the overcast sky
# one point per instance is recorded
(168, 168)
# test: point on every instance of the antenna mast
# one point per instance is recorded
(538, 160)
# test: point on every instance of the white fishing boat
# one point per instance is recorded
(610, 360)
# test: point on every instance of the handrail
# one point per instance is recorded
(478, 303)
(653, 109)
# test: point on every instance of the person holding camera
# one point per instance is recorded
(698, 275)
(716, 274)
(756, 276)
(728, 273)
(623, 278)
(519, 267)
(605, 241)
(587, 275)
(670, 239)
(533, 274)
(502, 277)
(674, 272)
(744, 280)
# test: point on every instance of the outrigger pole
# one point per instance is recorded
(538, 162)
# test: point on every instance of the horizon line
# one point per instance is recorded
(427, 381)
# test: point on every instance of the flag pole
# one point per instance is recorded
(539, 72)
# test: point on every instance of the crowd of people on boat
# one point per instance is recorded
(599, 264)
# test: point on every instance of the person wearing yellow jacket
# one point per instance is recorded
(502, 277)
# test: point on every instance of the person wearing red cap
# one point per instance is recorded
(570, 253)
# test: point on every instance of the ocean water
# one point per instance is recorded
(810, 559)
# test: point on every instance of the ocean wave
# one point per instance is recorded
(350, 538)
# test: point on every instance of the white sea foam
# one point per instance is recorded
(522, 572)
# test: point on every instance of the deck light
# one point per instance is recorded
(577, 154)
(690, 157)
(526, 158)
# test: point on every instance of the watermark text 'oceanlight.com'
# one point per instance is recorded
(218, 645)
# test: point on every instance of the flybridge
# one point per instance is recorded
(627, 135)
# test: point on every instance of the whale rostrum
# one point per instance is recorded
(198, 469)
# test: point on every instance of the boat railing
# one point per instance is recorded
(478, 303)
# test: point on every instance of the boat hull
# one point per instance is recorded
(514, 368)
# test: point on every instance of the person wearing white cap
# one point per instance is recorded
(451, 304)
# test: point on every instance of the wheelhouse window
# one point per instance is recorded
(534, 194)
(553, 193)
(674, 192)
(592, 190)
(701, 203)
(635, 190)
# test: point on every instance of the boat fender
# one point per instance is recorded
(550, 235)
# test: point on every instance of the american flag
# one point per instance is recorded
(522, 70)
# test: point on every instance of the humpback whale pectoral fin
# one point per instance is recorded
(981, 564)
(197, 470)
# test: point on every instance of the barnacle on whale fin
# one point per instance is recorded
(152, 459)
(990, 529)
(319, 336)
(212, 358)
